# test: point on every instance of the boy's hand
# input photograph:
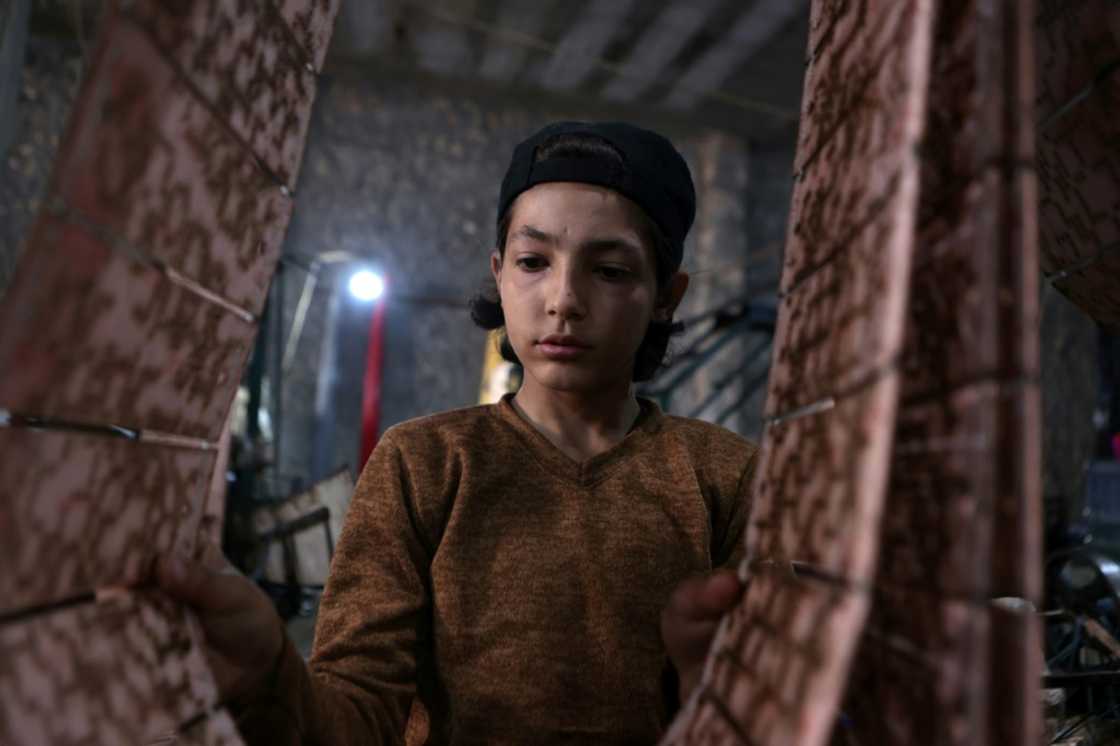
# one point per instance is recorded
(244, 634)
(689, 622)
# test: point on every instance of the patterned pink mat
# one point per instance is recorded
(123, 337)
(897, 492)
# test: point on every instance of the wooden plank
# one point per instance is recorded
(244, 64)
(93, 336)
(79, 512)
(125, 671)
(149, 162)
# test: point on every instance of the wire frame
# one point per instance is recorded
(896, 494)
(123, 336)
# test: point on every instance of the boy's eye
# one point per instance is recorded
(613, 273)
(530, 263)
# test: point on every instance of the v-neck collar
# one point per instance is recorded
(595, 469)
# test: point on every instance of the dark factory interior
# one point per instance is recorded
(247, 249)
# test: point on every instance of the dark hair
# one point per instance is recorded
(486, 307)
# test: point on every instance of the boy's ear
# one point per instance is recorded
(496, 266)
(670, 297)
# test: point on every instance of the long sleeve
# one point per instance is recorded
(509, 593)
(359, 684)
(732, 511)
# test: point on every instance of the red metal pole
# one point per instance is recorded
(371, 388)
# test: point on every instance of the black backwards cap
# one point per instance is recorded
(653, 174)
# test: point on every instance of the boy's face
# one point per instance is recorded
(578, 286)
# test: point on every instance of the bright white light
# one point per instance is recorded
(366, 286)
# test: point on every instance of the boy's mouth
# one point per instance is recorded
(562, 346)
(562, 340)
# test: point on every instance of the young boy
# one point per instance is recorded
(534, 571)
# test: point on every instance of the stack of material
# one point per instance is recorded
(303, 556)
(897, 496)
(122, 340)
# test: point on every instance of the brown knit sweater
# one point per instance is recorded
(488, 589)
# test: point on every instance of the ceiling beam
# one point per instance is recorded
(504, 60)
(657, 47)
(751, 32)
(581, 49)
(443, 47)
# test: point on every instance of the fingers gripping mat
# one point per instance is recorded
(895, 495)
(123, 336)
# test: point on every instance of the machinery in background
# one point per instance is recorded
(710, 335)
(295, 542)
(1082, 633)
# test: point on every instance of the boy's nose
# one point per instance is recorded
(566, 298)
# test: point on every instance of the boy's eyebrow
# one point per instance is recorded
(535, 234)
(594, 244)
(609, 244)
